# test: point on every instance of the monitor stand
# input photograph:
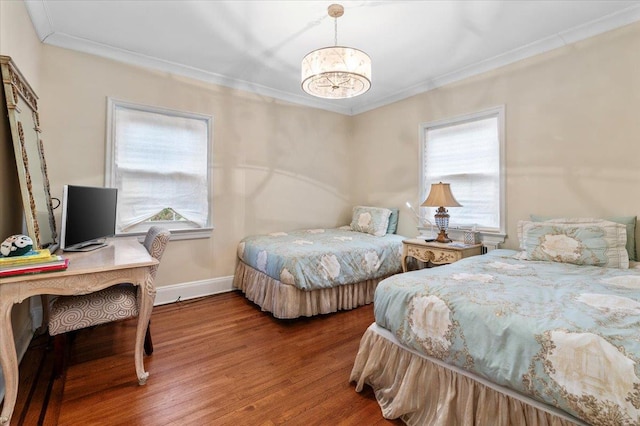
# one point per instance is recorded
(87, 246)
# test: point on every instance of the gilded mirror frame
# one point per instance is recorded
(24, 123)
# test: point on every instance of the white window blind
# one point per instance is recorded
(159, 160)
(466, 153)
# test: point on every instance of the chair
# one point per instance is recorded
(118, 302)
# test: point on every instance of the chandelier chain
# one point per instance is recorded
(335, 31)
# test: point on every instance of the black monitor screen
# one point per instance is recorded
(88, 216)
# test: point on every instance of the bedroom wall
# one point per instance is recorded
(571, 133)
(277, 166)
(18, 40)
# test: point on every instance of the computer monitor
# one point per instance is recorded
(88, 217)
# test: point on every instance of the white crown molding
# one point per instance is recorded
(37, 9)
(82, 45)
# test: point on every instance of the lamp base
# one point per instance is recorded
(443, 237)
(442, 222)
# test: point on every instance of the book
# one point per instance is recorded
(38, 262)
(33, 256)
(56, 265)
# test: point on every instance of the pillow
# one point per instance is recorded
(598, 243)
(393, 221)
(628, 221)
(370, 220)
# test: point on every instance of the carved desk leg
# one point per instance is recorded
(8, 361)
(147, 293)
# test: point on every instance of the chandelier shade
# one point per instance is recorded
(336, 72)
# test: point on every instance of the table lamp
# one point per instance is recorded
(440, 196)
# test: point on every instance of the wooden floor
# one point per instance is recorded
(217, 361)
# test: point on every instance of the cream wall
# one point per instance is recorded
(276, 166)
(572, 133)
(18, 40)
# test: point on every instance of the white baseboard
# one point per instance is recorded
(22, 339)
(191, 290)
(164, 295)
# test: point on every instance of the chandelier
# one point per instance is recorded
(336, 72)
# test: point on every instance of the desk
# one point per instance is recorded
(436, 253)
(124, 260)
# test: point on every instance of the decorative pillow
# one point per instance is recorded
(370, 220)
(393, 221)
(598, 243)
(628, 221)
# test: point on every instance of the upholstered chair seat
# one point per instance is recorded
(111, 304)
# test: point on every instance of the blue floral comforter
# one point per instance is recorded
(566, 335)
(322, 258)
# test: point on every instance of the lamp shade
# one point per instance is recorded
(440, 196)
(336, 72)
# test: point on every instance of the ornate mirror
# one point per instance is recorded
(24, 123)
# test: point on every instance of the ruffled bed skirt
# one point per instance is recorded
(422, 391)
(287, 301)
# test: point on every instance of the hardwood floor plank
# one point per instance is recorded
(218, 360)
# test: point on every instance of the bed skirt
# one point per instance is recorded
(286, 301)
(424, 391)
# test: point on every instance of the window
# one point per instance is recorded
(468, 153)
(160, 162)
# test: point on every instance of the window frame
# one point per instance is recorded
(494, 112)
(180, 232)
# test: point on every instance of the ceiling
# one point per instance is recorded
(258, 45)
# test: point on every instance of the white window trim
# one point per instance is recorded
(177, 233)
(493, 237)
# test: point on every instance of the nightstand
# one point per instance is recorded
(437, 253)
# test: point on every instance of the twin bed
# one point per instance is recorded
(547, 335)
(319, 271)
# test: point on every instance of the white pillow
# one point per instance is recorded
(370, 220)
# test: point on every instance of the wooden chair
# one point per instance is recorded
(118, 302)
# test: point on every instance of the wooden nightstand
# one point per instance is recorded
(436, 253)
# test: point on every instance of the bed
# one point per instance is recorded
(544, 335)
(320, 271)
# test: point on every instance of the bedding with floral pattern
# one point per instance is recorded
(564, 334)
(322, 258)
(597, 242)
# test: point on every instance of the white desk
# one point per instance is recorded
(124, 260)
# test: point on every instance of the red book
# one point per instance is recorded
(33, 269)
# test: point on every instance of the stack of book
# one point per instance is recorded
(32, 262)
